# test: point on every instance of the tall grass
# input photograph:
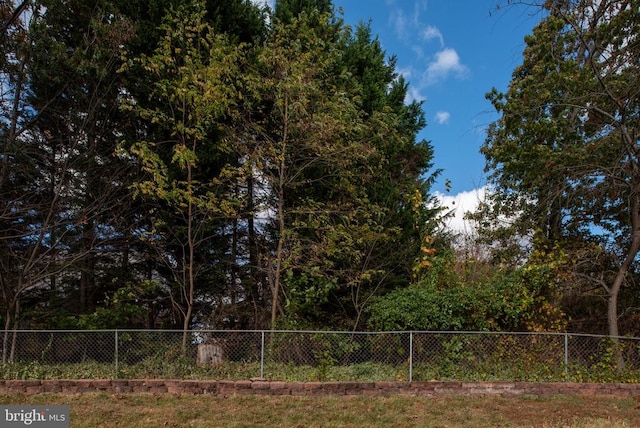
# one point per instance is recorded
(182, 368)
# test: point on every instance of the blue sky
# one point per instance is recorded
(452, 52)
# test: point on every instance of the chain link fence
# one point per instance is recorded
(318, 355)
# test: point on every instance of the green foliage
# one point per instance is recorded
(439, 301)
(563, 156)
(336, 231)
(246, 164)
(513, 366)
(195, 87)
(288, 10)
(124, 308)
(62, 119)
(424, 307)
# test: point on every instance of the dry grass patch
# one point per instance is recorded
(145, 410)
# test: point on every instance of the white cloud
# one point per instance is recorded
(413, 91)
(406, 72)
(404, 24)
(270, 3)
(442, 117)
(418, 50)
(459, 205)
(418, 8)
(399, 22)
(414, 94)
(446, 62)
(430, 33)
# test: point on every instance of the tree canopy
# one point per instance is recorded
(184, 164)
(564, 155)
(218, 164)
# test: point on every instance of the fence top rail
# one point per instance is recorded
(342, 332)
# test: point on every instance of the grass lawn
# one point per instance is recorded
(147, 410)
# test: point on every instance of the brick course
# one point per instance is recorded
(264, 387)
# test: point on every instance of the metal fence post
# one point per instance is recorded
(566, 353)
(116, 353)
(410, 356)
(262, 355)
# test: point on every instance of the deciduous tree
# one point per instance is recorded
(564, 155)
(195, 90)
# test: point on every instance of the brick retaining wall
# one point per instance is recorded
(259, 387)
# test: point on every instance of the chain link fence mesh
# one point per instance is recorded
(318, 355)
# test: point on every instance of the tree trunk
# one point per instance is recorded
(279, 256)
(14, 338)
(5, 339)
(87, 280)
(190, 261)
(257, 272)
(614, 290)
(280, 213)
(11, 314)
(209, 354)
